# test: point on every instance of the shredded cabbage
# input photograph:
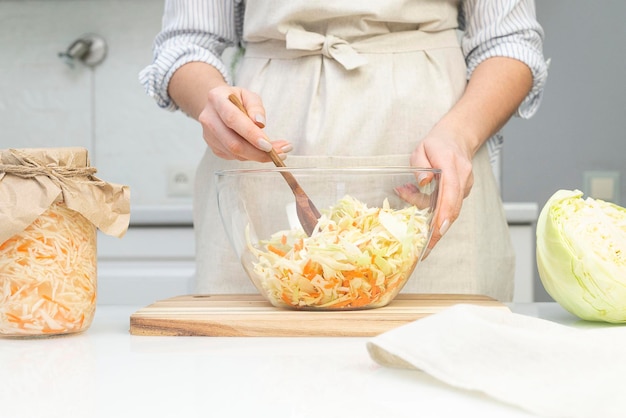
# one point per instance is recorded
(357, 257)
(48, 275)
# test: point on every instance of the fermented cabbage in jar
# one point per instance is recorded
(52, 206)
(48, 276)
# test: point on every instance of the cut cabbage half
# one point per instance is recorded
(581, 255)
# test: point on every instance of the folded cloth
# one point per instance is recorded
(543, 367)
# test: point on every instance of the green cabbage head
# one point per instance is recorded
(581, 255)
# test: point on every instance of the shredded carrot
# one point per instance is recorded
(311, 269)
(13, 318)
(49, 299)
(332, 283)
(341, 303)
(286, 298)
(276, 251)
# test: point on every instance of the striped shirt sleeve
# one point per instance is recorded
(192, 30)
(506, 28)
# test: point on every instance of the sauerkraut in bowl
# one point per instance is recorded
(374, 227)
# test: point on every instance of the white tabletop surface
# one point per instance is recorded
(106, 372)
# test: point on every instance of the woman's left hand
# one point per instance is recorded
(495, 90)
(443, 151)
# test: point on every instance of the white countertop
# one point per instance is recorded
(106, 372)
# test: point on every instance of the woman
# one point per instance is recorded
(358, 83)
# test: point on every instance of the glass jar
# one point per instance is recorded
(52, 206)
(48, 276)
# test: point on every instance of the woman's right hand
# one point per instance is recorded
(233, 135)
(200, 91)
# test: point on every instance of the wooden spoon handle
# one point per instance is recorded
(278, 162)
(307, 212)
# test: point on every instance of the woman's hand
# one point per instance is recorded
(233, 135)
(201, 92)
(495, 90)
(444, 151)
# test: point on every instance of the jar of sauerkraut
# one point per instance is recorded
(53, 206)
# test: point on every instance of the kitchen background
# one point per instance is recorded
(576, 141)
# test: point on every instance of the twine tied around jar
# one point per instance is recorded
(26, 166)
(31, 180)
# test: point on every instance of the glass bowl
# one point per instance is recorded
(374, 227)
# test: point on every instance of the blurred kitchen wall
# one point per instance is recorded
(581, 125)
(46, 103)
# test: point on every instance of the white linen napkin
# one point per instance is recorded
(543, 367)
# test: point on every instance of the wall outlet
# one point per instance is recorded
(180, 181)
(603, 185)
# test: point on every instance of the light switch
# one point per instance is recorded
(603, 185)
(180, 181)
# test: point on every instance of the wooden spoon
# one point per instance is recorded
(306, 210)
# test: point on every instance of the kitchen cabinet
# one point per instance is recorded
(148, 264)
(155, 260)
(522, 221)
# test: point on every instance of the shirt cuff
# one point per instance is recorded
(155, 78)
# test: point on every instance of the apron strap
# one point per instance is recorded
(301, 43)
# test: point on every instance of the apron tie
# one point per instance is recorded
(350, 55)
(329, 46)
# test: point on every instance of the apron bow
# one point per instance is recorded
(328, 45)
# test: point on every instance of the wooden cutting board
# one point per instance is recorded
(253, 316)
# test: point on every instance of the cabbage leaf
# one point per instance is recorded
(581, 255)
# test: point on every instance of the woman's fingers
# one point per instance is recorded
(235, 134)
(419, 194)
(456, 180)
(254, 107)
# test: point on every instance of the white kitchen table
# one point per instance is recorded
(106, 372)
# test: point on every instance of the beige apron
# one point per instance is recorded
(360, 83)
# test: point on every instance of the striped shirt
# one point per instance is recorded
(200, 30)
